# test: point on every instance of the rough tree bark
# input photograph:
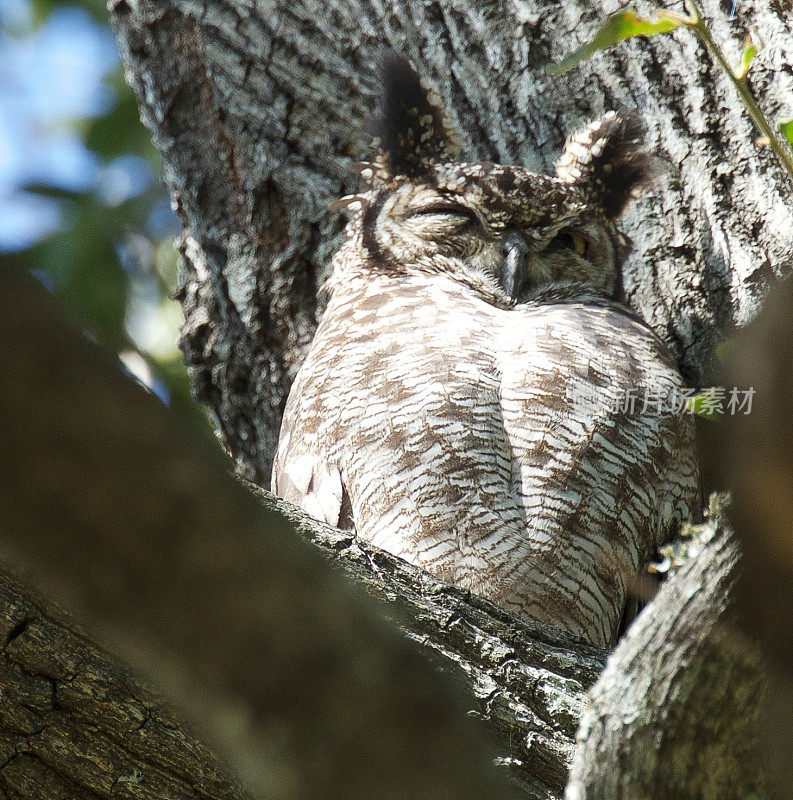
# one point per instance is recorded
(678, 705)
(258, 111)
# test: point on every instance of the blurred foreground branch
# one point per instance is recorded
(134, 524)
(753, 454)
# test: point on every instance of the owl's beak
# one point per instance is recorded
(513, 268)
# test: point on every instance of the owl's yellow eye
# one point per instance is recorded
(574, 241)
(579, 244)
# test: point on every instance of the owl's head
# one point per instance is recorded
(502, 229)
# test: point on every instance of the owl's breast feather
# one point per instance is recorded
(450, 428)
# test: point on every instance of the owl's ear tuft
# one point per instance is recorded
(610, 160)
(412, 129)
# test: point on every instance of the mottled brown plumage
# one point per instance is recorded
(439, 410)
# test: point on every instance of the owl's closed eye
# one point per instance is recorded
(503, 228)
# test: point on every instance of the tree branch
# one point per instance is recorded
(73, 723)
(678, 705)
(134, 523)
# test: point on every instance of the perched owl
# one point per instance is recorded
(465, 403)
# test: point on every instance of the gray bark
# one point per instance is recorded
(683, 688)
(258, 111)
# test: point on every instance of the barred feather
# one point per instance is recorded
(611, 159)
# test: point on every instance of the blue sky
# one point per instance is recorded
(50, 78)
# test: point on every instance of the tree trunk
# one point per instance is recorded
(258, 111)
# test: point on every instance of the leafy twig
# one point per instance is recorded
(627, 23)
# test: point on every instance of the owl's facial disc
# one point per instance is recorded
(500, 228)
(479, 233)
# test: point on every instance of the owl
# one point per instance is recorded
(477, 399)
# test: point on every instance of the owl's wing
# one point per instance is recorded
(398, 400)
(300, 474)
(313, 486)
(602, 487)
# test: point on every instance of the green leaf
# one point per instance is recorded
(707, 404)
(786, 129)
(618, 27)
(750, 50)
(43, 8)
(120, 131)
